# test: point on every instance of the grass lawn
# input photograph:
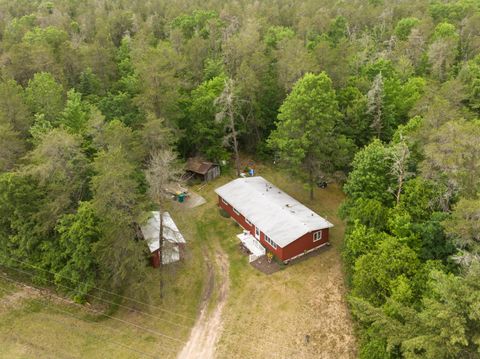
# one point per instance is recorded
(33, 327)
(265, 315)
(271, 315)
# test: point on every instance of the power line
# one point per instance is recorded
(94, 337)
(103, 290)
(114, 318)
(128, 298)
(108, 301)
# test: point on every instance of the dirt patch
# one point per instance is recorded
(207, 329)
(263, 266)
(11, 300)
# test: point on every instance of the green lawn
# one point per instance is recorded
(32, 327)
(264, 315)
(269, 316)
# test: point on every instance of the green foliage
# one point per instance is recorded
(50, 35)
(77, 268)
(355, 122)
(89, 84)
(13, 109)
(275, 34)
(338, 29)
(304, 138)
(45, 96)
(444, 30)
(39, 128)
(464, 225)
(75, 114)
(376, 272)
(13, 147)
(88, 90)
(451, 11)
(452, 157)
(359, 241)
(196, 23)
(404, 27)
(471, 76)
(60, 167)
(121, 259)
(371, 177)
(21, 230)
(203, 133)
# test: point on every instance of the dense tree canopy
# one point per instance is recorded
(382, 96)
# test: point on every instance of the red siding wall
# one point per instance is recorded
(304, 243)
(155, 258)
(295, 248)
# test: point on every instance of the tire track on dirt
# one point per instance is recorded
(208, 327)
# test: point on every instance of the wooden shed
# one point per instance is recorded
(272, 218)
(173, 241)
(204, 170)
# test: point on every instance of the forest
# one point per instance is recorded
(101, 101)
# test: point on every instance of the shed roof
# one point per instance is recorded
(151, 229)
(199, 166)
(275, 213)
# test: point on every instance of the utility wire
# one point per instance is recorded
(103, 290)
(114, 318)
(128, 298)
(85, 335)
(108, 301)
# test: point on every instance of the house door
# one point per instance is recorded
(257, 232)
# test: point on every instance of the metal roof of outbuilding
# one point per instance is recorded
(151, 229)
(275, 213)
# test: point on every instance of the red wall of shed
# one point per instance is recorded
(155, 258)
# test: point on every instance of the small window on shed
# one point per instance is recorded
(317, 236)
(224, 201)
(236, 212)
(248, 222)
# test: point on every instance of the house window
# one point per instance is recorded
(225, 202)
(248, 222)
(236, 212)
(317, 236)
(269, 241)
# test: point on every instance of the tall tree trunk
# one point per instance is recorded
(311, 182)
(160, 252)
(235, 142)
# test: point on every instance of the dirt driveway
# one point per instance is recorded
(208, 328)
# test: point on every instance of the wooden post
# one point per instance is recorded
(160, 251)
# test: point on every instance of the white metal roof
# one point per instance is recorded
(274, 212)
(151, 230)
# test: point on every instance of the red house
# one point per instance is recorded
(281, 224)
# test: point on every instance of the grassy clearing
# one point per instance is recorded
(270, 316)
(265, 316)
(31, 327)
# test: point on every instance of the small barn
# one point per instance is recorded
(273, 219)
(203, 170)
(173, 241)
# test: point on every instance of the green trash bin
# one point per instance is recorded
(181, 197)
